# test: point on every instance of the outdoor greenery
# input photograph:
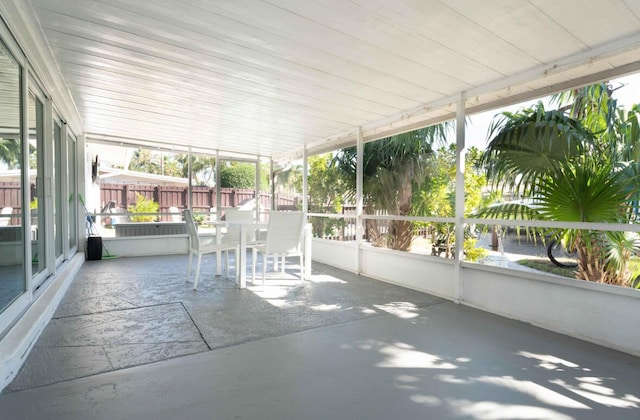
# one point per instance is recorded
(143, 205)
(242, 175)
(393, 169)
(579, 163)
(10, 153)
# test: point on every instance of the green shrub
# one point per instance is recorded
(144, 205)
(471, 252)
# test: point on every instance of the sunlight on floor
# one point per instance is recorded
(590, 387)
(401, 355)
(539, 392)
(404, 310)
(491, 410)
(549, 362)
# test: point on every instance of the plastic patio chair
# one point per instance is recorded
(284, 239)
(5, 217)
(202, 245)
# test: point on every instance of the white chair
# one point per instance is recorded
(176, 216)
(5, 216)
(201, 245)
(284, 239)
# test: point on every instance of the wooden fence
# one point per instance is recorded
(203, 199)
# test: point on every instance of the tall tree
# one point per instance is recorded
(392, 168)
(576, 165)
(10, 152)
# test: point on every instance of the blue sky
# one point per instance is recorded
(478, 124)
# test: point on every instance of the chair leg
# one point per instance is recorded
(282, 264)
(195, 283)
(189, 267)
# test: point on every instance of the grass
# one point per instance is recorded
(547, 266)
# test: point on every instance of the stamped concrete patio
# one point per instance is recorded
(132, 340)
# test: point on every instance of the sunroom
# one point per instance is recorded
(116, 108)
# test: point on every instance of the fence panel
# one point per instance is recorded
(11, 196)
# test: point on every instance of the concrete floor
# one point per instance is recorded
(131, 340)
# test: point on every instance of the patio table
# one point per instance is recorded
(241, 258)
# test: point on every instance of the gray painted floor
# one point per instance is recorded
(132, 341)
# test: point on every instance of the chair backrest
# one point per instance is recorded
(175, 217)
(284, 234)
(6, 212)
(233, 230)
(192, 230)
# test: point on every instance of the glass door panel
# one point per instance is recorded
(73, 198)
(57, 185)
(36, 180)
(12, 269)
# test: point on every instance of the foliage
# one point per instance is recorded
(473, 253)
(10, 153)
(325, 188)
(242, 175)
(393, 168)
(288, 179)
(576, 164)
(144, 205)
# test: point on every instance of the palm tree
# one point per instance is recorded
(392, 167)
(10, 152)
(574, 162)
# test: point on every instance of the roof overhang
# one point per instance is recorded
(273, 78)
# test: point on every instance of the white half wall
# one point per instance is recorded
(338, 254)
(425, 273)
(599, 313)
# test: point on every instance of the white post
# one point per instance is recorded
(272, 186)
(257, 191)
(308, 232)
(305, 185)
(218, 226)
(459, 210)
(359, 199)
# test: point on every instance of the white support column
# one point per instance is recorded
(305, 185)
(190, 182)
(48, 185)
(359, 194)
(459, 209)
(308, 232)
(257, 191)
(272, 186)
(218, 196)
(218, 217)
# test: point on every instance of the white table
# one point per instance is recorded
(241, 258)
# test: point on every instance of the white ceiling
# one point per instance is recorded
(271, 76)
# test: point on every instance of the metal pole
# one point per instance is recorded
(459, 210)
(359, 199)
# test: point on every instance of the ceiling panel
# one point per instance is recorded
(271, 77)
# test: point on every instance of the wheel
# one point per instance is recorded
(561, 256)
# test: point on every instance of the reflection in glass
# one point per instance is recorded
(36, 177)
(12, 270)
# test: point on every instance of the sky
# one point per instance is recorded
(478, 124)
